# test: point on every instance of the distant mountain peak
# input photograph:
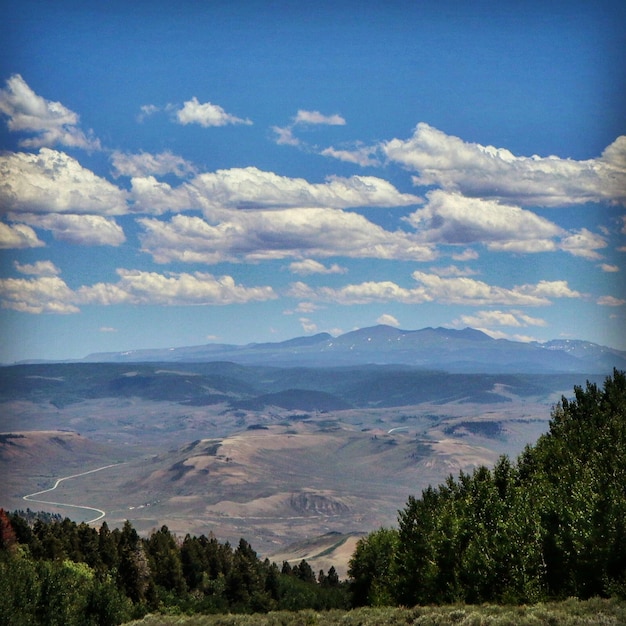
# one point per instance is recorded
(445, 349)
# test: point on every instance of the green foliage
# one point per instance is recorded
(59, 572)
(553, 525)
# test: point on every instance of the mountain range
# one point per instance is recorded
(456, 351)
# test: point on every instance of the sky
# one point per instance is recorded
(190, 172)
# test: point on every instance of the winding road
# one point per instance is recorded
(31, 496)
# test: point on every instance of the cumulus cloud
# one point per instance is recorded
(488, 172)
(362, 156)
(146, 164)
(315, 117)
(466, 255)
(18, 236)
(53, 182)
(44, 294)
(48, 123)
(251, 188)
(151, 288)
(39, 268)
(453, 270)
(285, 136)
(610, 301)
(363, 293)
(85, 230)
(489, 319)
(287, 233)
(606, 267)
(432, 288)
(310, 266)
(304, 307)
(307, 325)
(450, 217)
(583, 243)
(206, 114)
(50, 294)
(388, 320)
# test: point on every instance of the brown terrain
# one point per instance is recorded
(294, 485)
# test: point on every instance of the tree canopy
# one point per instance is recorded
(550, 526)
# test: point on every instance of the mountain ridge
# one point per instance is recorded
(455, 350)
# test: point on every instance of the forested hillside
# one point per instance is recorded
(54, 571)
(550, 526)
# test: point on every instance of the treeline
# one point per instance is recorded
(550, 526)
(55, 571)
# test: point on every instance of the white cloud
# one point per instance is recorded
(146, 111)
(107, 329)
(84, 230)
(362, 156)
(466, 255)
(463, 290)
(44, 294)
(148, 195)
(431, 288)
(315, 117)
(583, 243)
(453, 270)
(146, 164)
(388, 320)
(525, 246)
(488, 319)
(305, 307)
(606, 267)
(39, 268)
(206, 114)
(363, 293)
(279, 234)
(251, 188)
(498, 334)
(54, 182)
(284, 136)
(449, 217)
(484, 171)
(50, 294)
(18, 236)
(49, 123)
(550, 289)
(151, 288)
(610, 301)
(310, 266)
(307, 325)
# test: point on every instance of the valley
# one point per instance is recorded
(300, 462)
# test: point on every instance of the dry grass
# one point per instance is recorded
(567, 613)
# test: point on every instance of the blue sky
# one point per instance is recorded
(178, 173)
